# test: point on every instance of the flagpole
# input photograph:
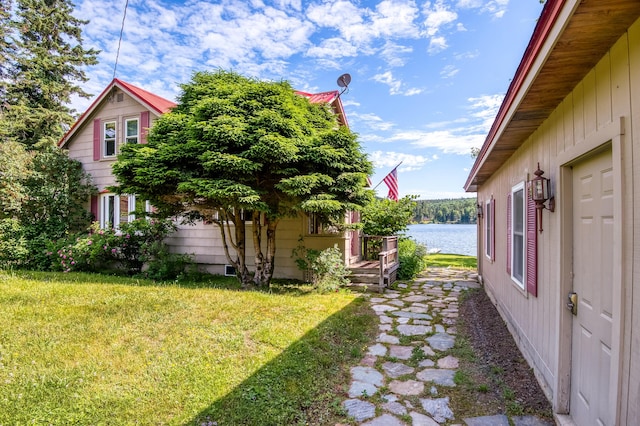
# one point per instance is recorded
(386, 175)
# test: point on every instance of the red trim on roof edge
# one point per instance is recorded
(547, 19)
(153, 102)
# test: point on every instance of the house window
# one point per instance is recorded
(132, 130)
(109, 211)
(118, 209)
(488, 226)
(518, 209)
(315, 225)
(109, 138)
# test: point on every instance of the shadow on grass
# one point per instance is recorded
(278, 286)
(305, 384)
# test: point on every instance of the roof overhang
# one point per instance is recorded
(569, 39)
(152, 102)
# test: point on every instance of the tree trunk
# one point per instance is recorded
(264, 261)
(237, 243)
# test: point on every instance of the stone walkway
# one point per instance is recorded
(417, 325)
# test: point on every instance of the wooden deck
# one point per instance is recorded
(376, 274)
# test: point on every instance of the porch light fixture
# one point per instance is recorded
(479, 209)
(540, 193)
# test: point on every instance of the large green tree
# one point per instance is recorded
(238, 149)
(41, 68)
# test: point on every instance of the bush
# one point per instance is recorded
(13, 246)
(127, 249)
(412, 257)
(327, 268)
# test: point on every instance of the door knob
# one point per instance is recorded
(572, 304)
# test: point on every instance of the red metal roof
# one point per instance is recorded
(155, 103)
(332, 98)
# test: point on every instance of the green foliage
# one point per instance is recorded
(327, 268)
(461, 210)
(13, 246)
(127, 249)
(57, 190)
(384, 217)
(235, 144)
(412, 257)
(15, 168)
(43, 62)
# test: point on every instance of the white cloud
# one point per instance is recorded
(370, 121)
(395, 85)
(394, 54)
(389, 159)
(449, 71)
(387, 78)
(497, 8)
(437, 44)
(438, 15)
(333, 48)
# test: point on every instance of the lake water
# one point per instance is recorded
(456, 239)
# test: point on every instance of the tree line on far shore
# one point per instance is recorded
(454, 211)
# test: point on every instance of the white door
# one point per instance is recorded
(592, 352)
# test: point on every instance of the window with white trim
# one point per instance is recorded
(518, 234)
(109, 138)
(488, 227)
(131, 130)
(117, 209)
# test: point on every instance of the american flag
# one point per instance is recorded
(391, 180)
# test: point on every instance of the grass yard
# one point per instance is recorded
(93, 349)
(452, 260)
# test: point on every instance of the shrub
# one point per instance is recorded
(13, 246)
(327, 268)
(412, 257)
(127, 249)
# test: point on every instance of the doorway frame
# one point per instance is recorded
(611, 137)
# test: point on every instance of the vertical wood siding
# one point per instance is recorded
(609, 91)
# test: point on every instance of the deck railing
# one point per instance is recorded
(385, 249)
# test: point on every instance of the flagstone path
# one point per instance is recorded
(403, 377)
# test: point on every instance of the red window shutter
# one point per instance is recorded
(94, 207)
(144, 126)
(509, 234)
(493, 229)
(532, 248)
(97, 130)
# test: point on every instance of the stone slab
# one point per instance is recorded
(441, 341)
(387, 338)
(413, 330)
(498, 420)
(395, 408)
(448, 362)
(367, 375)
(385, 420)
(396, 369)
(438, 408)
(422, 420)
(412, 315)
(359, 410)
(400, 352)
(361, 389)
(439, 377)
(409, 387)
(377, 350)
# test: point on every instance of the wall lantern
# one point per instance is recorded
(479, 210)
(540, 193)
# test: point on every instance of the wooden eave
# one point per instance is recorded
(570, 38)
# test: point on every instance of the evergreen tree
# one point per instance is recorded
(41, 69)
(236, 147)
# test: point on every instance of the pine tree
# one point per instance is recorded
(41, 69)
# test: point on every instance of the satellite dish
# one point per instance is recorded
(344, 80)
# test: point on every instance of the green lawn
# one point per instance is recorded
(453, 260)
(93, 349)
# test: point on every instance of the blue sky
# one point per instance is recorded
(427, 76)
